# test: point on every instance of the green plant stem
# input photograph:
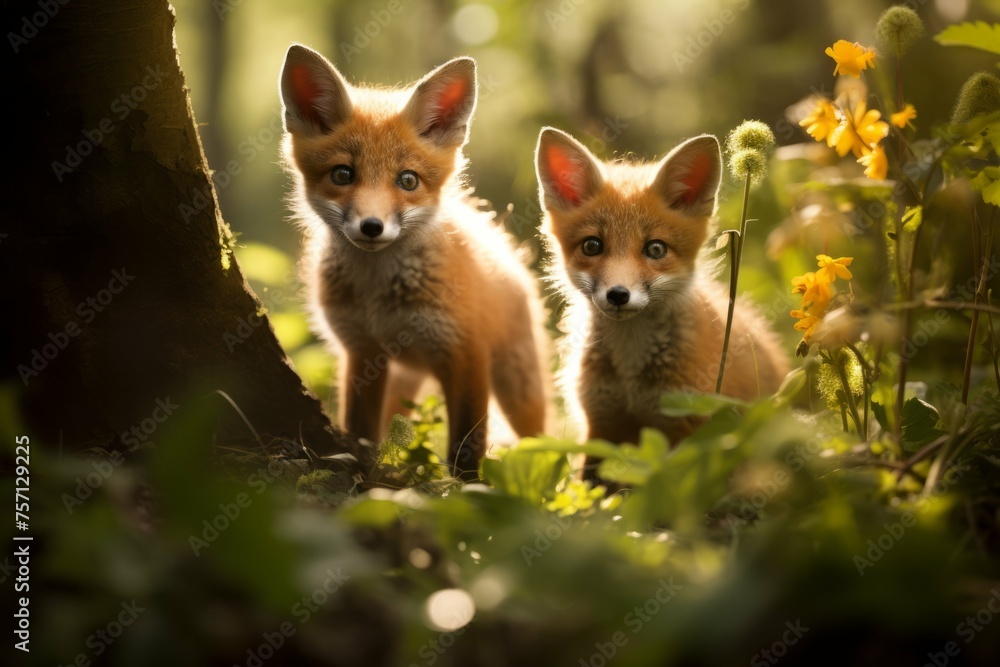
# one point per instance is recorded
(980, 293)
(736, 256)
(969, 349)
(993, 342)
(908, 290)
(899, 97)
(866, 376)
(849, 396)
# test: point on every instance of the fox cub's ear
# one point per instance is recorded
(568, 173)
(443, 101)
(313, 92)
(689, 177)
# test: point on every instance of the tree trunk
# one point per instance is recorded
(123, 294)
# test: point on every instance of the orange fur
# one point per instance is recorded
(439, 290)
(667, 335)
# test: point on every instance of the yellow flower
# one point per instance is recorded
(830, 269)
(807, 324)
(815, 293)
(851, 58)
(821, 123)
(858, 131)
(903, 117)
(875, 162)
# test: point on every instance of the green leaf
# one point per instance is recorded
(881, 416)
(979, 35)
(912, 218)
(371, 512)
(685, 403)
(529, 474)
(790, 387)
(598, 448)
(920, 420)
(634, 464)
(988, 183)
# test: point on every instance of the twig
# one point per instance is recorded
(920, 455)
(952, 305)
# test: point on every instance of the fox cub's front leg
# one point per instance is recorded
(361, 398)
(465, 381)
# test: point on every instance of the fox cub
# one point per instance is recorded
(644, 318)
(404, 269)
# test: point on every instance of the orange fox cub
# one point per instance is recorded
(404, 270)
(643, 317)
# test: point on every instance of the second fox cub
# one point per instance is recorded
(644, 318)
(405, 271)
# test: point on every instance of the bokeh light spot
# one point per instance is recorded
(449, 609)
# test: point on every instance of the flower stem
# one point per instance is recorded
(969, 349)
(849, 396)
(735, 257)
(899, 98)
(866, 375)
(993, 343)
(908, 291)
(980, 293)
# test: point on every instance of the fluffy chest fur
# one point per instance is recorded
(622, 369)
(637, 359)
(399, 295)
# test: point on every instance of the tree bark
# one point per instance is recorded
(121, 290)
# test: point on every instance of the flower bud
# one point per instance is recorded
(979, 95)
(748, 164)
(751, 135)
(898, 29)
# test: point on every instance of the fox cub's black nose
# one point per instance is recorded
(372, 227)
(618, 296)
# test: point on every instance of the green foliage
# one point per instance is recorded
(755, 520)
(417, 446)
(988, 183)
(683, 403)
(920, 424)
(531, 474)
(912, 218)
(977, 35)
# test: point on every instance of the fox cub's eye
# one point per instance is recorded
(655, 249)
(592, 246)
(342, 175)
(408, 180)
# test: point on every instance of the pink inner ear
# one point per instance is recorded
(695, 179)
(450, 99)
(564, 173)
(305, 90)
